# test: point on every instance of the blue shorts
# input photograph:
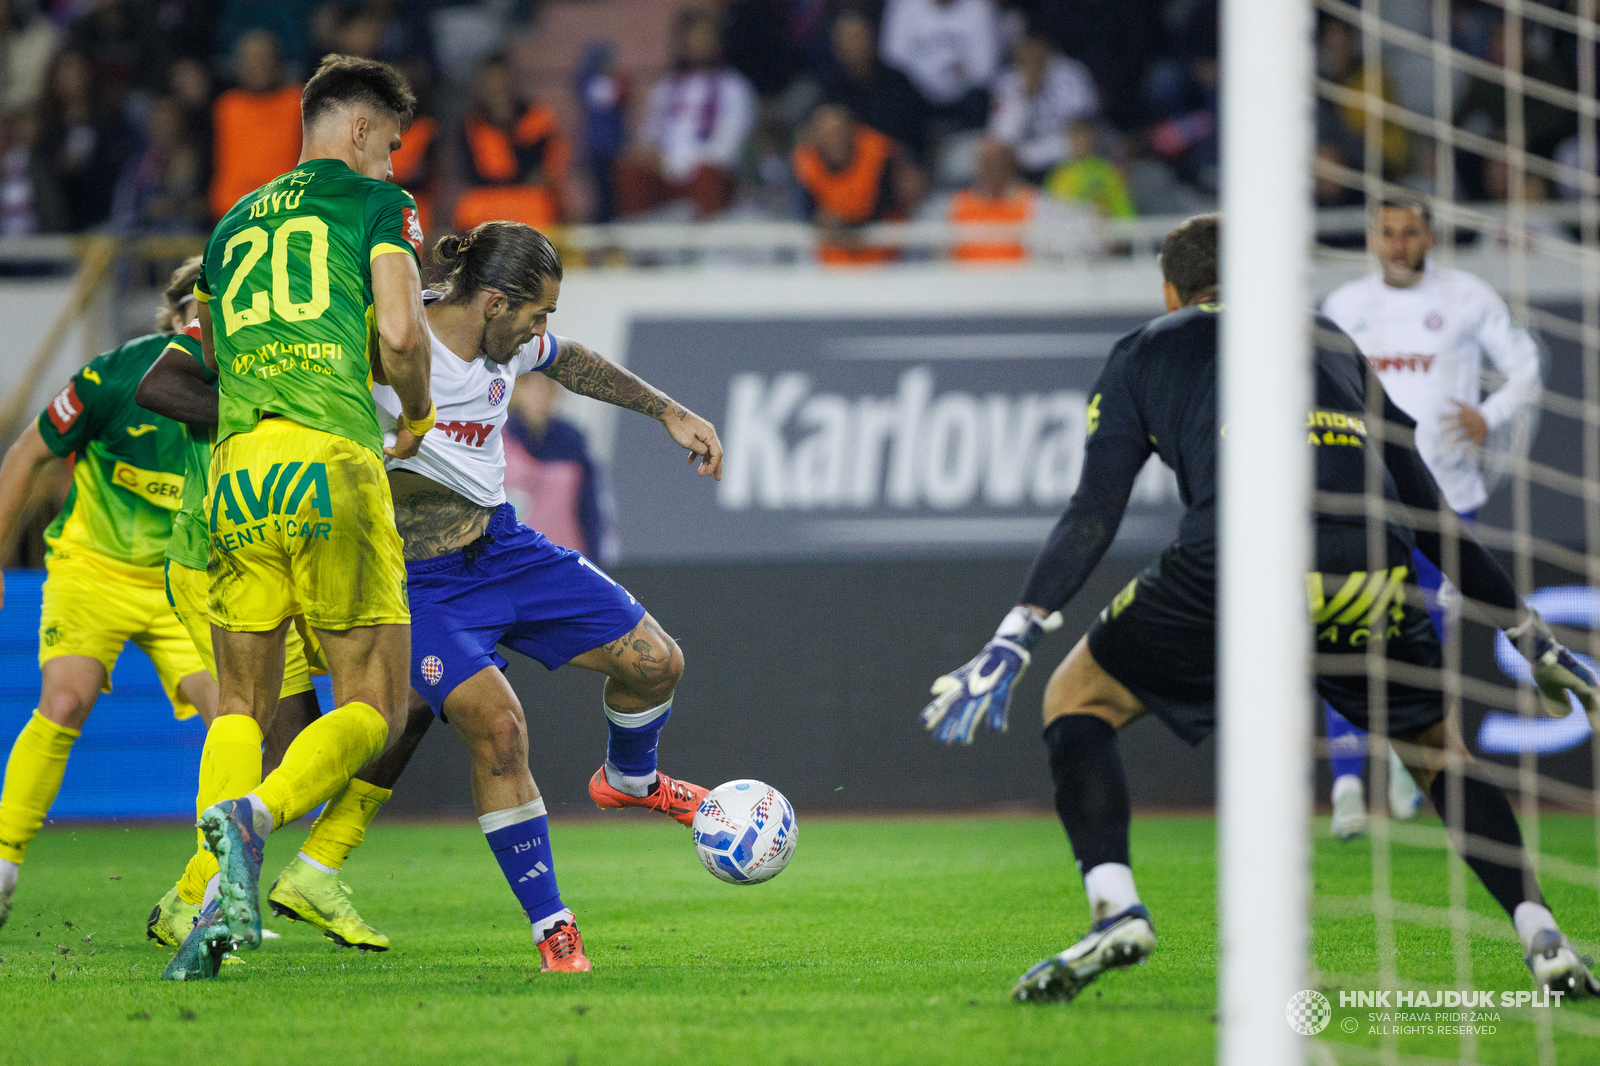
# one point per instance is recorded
(514, 588)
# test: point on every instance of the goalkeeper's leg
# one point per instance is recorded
(1486, 835)
(1084, 707)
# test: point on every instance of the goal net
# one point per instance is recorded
(1485, 110)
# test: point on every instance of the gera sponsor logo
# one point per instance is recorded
(790, 447)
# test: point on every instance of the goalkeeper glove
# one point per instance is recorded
(982, 688)
(1555, 669)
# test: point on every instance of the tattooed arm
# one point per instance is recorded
(588, 374)
(433, 520)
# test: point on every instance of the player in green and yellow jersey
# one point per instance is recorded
(309, 889)
(104, 583)
(297, 276)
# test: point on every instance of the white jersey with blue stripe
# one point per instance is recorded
(465, 450)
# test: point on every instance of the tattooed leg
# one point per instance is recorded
(642, 669)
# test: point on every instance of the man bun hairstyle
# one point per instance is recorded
(1189, 257)
(509, 256)
(342, 80)
(180, 287)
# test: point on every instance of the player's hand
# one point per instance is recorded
(699, 436)
(406, 443)
(2, 589)
(981, 689)
(1468, 423)
(1556, 670)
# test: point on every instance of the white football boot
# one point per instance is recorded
(1404, 795)
(1557, 967)
(1120, 940)
(1349, 808)
(8, 887)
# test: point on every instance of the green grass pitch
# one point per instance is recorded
(886, 941)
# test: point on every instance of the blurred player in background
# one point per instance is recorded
(1158, 394)
(552, 480)
(179, 385)
(298, 277)
(478, 578)
(104, 584)
(1426, 330)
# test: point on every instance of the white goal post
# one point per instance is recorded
(1264, 728)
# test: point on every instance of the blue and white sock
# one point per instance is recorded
(1347, 745)
(520, 839)
(631, 748)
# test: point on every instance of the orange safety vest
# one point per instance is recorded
(851, 194)
(971, 207)
(414, 145)
(408, 163)
(257, 138)
(493, 151)
(532, 205)
(492, 160)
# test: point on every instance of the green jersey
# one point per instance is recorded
(191, 541)
(288, 279)
(1094, 181)
(128, 479)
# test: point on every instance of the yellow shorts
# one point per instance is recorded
(186, 591)
(93, 605)
(302, 524)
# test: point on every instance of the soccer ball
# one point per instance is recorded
(745, 832)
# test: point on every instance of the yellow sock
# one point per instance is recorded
(230, 767)
(343, 823)
(323, 759)
(33, 777)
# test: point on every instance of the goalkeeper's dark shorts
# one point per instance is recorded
(1157, 637)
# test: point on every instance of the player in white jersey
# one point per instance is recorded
(477, 578)
(1426, 330)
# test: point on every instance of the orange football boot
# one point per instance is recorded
(678, 800)
(562, 951)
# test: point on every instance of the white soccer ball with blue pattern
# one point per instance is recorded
(745, 832)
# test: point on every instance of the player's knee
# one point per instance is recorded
(500, 741)
(672, 672)
(67, 705)
(655, 670)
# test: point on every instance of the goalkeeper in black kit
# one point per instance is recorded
(1153, 649)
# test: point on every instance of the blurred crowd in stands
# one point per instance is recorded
(154, 116)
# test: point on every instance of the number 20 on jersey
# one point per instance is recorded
(304, 235)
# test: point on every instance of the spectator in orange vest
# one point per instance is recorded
(416, 164)
(997, 198)
(515, 154)
(257, 125)
(849, 173)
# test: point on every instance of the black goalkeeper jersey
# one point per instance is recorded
(1158, 394)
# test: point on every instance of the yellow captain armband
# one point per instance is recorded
(423, 424)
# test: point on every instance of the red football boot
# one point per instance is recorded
(562, 950)
(678, 800)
